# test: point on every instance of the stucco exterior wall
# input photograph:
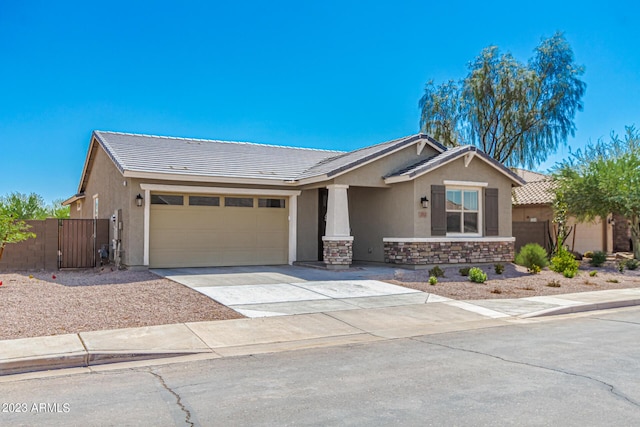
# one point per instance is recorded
(376, 213)
(526, 213)
(371, 175)
(477, 171)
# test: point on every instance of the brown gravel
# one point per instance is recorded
(77, 301)
(515, 282)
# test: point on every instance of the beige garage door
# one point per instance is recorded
(210, 230)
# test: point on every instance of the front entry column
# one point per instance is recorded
(337, 241)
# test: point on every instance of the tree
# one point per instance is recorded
(604, 178)
(21, 206)
(56, 210)
(12, 229)
(517, 113)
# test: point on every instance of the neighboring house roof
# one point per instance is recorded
(161, 157)
(427, 165)
(537, 191)
(530, 176)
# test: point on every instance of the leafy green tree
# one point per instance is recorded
(517, 113)
(22, 206)
(12, 229)
(604, 178)
(56, 210)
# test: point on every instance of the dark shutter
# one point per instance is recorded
(491, 221)
(438, 211)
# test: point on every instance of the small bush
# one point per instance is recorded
(564, 262)
(613, 281)
(436, 271)
(532, 254)
(598, 259)
(553, 284)
(588, 254)
(464, 271)
(621, 265)
(632, 264)
(535, 269)
(433, 280)
(498, 268)
(593, 273)
(476, 275)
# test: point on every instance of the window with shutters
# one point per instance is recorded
(463, 211)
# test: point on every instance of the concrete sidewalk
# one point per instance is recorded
(228, 338)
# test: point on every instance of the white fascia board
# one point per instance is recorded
(325, 177)
(465, 183)
(200, 178)
(447, 239)
(396, 179)
(194, 189)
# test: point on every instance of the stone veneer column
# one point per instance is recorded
(337, 241)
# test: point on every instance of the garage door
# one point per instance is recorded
(210, 230)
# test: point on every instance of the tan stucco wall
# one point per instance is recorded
(371, 175)
(477, 171)
(526, 213)
(307, 238)
(107, 182)
(376, 213)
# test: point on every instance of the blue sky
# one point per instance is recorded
(330, 74)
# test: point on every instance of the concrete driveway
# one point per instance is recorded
(263, 291)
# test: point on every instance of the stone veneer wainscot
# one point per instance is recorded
(337, 252)
(425, 251)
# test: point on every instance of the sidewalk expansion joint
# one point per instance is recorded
(176, 395)
(611, 388)
(87, 356)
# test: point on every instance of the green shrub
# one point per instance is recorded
(593, 273)
(436, 271)
(532, 254)
(613, 281)
(477, 275)
(598, 259)
(433, 280)
(621, 266)
(464, 271)
(564, 262)
(535, 269)
(498, 268)
(588, 254)
(632, 264)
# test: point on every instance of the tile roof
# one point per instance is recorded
(538, 192)
(184, 156)
(213, 158)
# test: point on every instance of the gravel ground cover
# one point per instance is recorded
(62, 302)
(516, 282)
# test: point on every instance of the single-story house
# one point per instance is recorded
(533, 202)
(179, 202)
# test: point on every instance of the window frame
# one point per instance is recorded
(479, 211)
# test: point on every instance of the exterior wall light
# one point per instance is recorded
(139, 200)
(424, 202)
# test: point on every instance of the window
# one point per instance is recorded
(462, 211)
(271, 203)
(240, 202)
(95, 206)
(166, 199)
(204, 201)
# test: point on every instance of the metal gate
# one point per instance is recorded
(531, 232)
(79, 241)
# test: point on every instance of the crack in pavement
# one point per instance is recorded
(177, 396)
(611, 387)
(615, 320)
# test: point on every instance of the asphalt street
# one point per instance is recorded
(576, 370)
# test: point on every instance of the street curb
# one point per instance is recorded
(79, 360)
(556, 311)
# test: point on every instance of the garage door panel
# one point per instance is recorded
(192, 236)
